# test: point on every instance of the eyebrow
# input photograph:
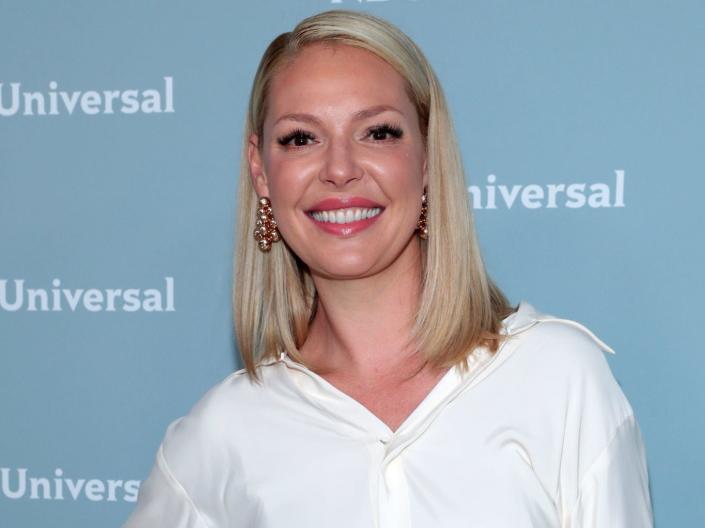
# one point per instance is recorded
(358, 116)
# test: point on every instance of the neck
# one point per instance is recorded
(362, 326)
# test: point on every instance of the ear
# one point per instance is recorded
(254, 159)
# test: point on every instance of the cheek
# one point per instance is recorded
(287, 177)
(402, 173)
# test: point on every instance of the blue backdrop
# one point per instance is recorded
(582, 129)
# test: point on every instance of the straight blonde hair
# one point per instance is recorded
(274, 298)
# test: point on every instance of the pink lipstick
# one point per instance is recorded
(344, 216)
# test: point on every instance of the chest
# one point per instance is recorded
(392, 399)
(469, 467)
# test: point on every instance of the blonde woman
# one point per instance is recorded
(387, 381)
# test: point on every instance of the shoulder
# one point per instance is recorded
(569, 362)
(219, 420)
(205, 447)
(555, 342)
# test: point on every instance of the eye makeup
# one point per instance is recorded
(389, 129)
(297, 136)
(381, 132)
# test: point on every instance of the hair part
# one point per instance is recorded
(274, 298)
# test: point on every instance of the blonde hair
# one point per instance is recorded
(274, 297)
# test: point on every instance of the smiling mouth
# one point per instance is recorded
(346, 215)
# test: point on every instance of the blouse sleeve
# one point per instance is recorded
(614, 491)
(163, 502)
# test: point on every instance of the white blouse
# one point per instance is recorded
(537, 435)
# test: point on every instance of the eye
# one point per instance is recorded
(385, 132)
(296, 138)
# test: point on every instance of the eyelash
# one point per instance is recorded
(295, 134)
(385, 128)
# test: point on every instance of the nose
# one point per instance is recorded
(341, 165)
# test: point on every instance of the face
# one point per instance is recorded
(342, 160)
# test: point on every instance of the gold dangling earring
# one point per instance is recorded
(421, 225)
(266, 232)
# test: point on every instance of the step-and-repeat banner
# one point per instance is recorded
(582, 126)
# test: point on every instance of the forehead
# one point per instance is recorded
(330, 76)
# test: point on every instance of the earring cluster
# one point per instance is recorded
(266, 232)
(421, 227)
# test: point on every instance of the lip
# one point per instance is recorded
(343, 202)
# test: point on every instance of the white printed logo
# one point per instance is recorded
(59, 299)
(14, 101)
(549, 196)
(15, 485)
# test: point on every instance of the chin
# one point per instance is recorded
(343, 269)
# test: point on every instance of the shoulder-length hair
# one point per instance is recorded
(274, 298)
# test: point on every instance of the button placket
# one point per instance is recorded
(394, 508)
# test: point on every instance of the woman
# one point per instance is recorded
(388, 382)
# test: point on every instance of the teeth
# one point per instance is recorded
(345, 216)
